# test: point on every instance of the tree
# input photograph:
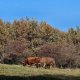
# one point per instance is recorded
(46, 31)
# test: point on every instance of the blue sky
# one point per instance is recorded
(61, 14)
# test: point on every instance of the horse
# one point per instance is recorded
(46, 62)
(32, 61)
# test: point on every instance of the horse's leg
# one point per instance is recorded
(44, 65)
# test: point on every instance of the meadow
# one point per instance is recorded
(19, 72)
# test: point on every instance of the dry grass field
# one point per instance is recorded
(19, 72)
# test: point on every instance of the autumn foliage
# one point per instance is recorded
(28, 37)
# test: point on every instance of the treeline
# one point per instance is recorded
(28, 37)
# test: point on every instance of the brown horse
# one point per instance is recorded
(46, 62)
(31, 60)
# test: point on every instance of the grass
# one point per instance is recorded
(19, 72)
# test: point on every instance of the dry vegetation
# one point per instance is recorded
(15, 72)
(28, 37)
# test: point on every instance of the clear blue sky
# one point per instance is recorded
(61, 14)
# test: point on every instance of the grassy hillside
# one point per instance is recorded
(18, 72)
